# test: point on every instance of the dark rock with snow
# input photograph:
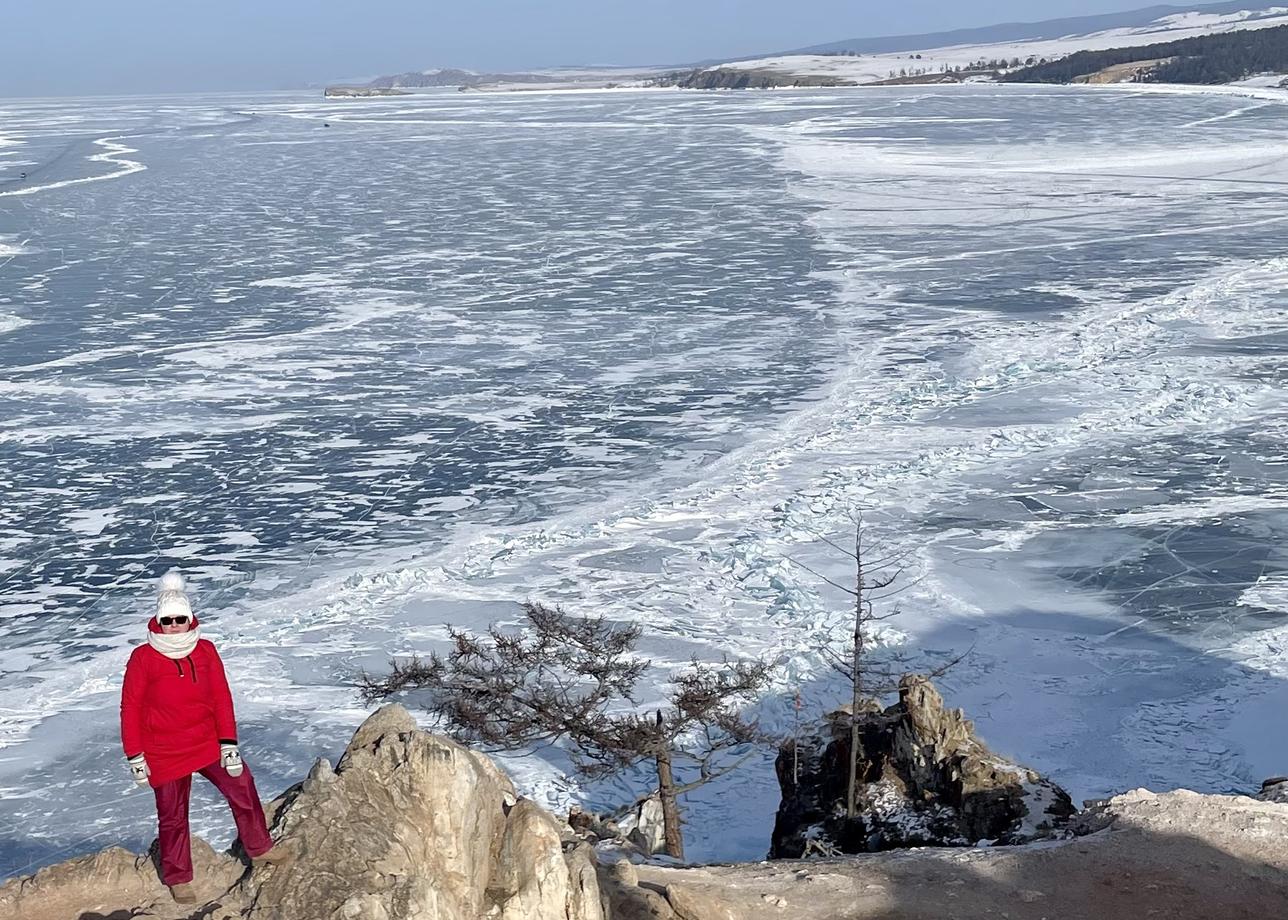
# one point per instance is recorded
(924, 780)
(1274, 789)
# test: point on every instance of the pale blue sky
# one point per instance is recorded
(66, 47)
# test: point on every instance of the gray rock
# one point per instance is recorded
(644, 826)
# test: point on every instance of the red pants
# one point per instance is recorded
(172, 819)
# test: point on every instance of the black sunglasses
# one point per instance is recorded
(177, 621)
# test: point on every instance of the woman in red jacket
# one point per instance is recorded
(176, 720)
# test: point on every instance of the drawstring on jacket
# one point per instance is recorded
(192, 667)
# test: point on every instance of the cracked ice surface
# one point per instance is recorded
(634, 353)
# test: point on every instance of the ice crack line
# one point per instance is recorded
(112, 153)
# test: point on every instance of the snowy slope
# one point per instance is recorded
(872, 68)
(1019, 31)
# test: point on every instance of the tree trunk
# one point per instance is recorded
(670, 808)
(856, 675)
(851, 795)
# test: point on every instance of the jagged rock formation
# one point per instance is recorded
(408, 825)
(1179, 855)
(925, 780)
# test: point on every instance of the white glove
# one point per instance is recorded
(139, 771)
(230, 758)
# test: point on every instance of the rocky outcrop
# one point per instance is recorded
(411, 826)
(925, 780)
(408, 825)
(744, 78)
(111, 883)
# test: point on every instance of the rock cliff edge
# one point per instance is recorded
(412, 826)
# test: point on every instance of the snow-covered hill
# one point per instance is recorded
(1027, 31)
(874, 68)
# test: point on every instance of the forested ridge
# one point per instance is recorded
(1206, 59)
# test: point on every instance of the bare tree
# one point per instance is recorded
(561, 678)
(871, 576)
(877, 573)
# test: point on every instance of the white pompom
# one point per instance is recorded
(172, 581)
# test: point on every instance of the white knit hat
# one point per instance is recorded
(172, 601)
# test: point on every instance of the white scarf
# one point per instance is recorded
(175, 645)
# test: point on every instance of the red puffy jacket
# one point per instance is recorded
(176, 711)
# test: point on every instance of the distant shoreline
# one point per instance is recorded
(356, 92)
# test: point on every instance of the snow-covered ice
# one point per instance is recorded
(637, 354)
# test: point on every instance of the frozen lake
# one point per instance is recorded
(365, 367)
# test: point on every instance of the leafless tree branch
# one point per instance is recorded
(558, 678)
